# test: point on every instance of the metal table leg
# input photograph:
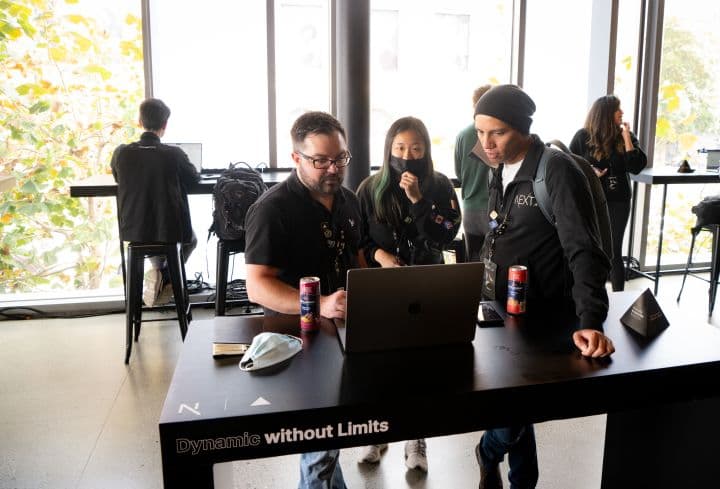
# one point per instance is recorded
(631, 238)
(660, 239)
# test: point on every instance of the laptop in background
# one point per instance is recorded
(193, 152)
(410, 307)
(713, 159)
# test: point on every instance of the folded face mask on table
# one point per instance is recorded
(269, 349)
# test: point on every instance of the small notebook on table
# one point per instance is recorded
(233, 337)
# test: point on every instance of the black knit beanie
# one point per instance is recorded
(509, 104)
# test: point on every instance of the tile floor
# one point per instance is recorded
(73, 416)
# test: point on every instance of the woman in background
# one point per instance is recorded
(410, 213)
(613, 151)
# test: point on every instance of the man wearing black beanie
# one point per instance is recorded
(566, 266)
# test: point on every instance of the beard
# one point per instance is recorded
(327, 184)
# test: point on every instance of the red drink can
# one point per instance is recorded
(517, 289)
(309, 303)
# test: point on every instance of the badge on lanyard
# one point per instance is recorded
(493, 220)
(488, 287)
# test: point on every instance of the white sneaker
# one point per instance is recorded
(153, 282)
(416, 455)
(371, 453)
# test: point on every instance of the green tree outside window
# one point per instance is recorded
(70, 85)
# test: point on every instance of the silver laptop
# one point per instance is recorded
(193, 152)
(410, 307)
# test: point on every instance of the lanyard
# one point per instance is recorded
(498, 229)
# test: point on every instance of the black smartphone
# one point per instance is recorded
(490, 315)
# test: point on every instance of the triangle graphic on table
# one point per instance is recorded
(260, 401)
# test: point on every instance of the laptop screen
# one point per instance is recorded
(713, 159)
(409, 307)
(193, 151)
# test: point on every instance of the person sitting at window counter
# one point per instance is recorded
(613, 151)
(409, 213)
(145, 207)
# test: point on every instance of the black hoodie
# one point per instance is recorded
(565, 262)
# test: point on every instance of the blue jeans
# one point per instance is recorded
(519, 443)
(321, 470)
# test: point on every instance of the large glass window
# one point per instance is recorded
(426, 58)
(557, 63)
(688, 120)
(70, 83)
(688, 116)
(302, 36)
(626, 58)
(210, 66)
(216, 83)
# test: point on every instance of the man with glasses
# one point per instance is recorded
(308, 225)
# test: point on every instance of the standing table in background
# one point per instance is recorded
(105, 186)
(662, 176)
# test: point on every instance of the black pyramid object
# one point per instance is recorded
(645, 316)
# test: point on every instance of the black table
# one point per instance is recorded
(662, 176)
(214, 412)
(105, 186)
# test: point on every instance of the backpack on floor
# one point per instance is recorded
(598, 194)
(237, 188)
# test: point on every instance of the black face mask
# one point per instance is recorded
(416, 167)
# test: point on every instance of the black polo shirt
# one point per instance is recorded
(289, 230)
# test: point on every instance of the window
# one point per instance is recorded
(209, 64)
(70, 84)
(688, 119)
(302, 37)
(426, 58)
(556, 66)
(626, 58)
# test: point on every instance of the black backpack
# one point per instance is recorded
(598, 194)
(707, 211)
(237, 188)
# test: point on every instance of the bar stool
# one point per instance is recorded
(708, 219)
(136, 254)
(225, 248)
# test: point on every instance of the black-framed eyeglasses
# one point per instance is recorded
(324, 163)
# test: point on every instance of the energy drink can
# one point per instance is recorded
(309, 303)
(517, 289)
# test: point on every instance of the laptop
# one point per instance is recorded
(713, 159)
(193, 152)
(410, 307)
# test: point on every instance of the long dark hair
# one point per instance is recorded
(604, 134)
(388, 207)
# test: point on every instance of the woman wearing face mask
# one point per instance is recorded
(607, 143)
(409, 214)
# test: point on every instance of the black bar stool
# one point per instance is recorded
(714, 267)
(137, 252)
(708, 219)
(225, 248)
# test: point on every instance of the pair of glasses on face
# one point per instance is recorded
(324, 163)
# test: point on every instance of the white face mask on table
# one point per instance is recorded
(269, 349)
